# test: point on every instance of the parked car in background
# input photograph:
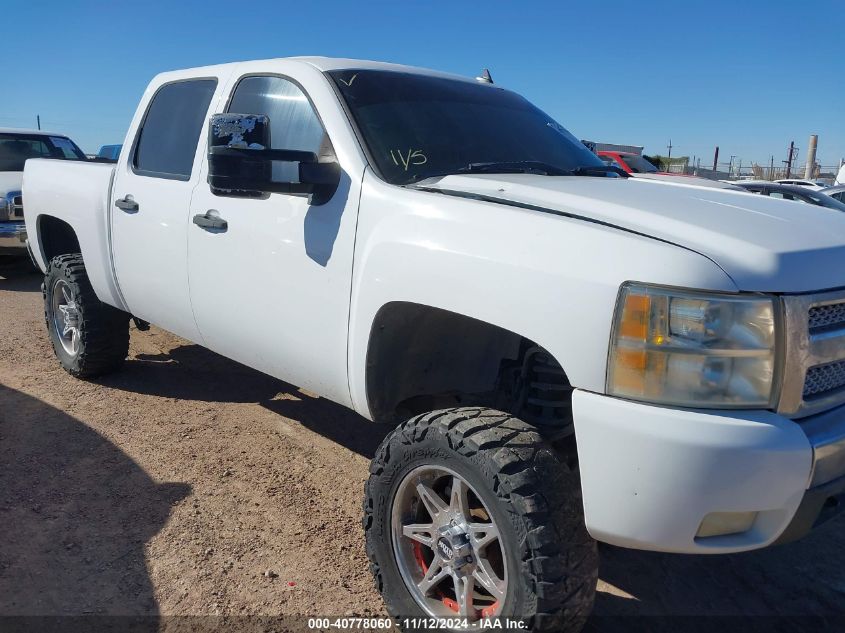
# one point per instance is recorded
(637, 166)
(683, 179)
(837, 192)
(794, 192)
(817, 185)
(16, 146)
(629, 162)
(109, 152)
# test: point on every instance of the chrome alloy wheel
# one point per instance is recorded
(447, 546)
(65, 315)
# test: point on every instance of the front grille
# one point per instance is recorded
(814, 362)
(822, 380)
(16, 207)
(826, 317)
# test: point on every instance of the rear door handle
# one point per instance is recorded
(210, 221)
(127, 204)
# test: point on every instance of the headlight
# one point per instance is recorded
(692, 349)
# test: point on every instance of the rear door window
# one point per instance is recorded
(167, 141)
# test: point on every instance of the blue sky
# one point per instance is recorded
(747, 76)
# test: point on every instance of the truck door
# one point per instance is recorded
(271, 290)
(151, 194)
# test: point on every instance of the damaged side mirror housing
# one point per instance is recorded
(241, 163)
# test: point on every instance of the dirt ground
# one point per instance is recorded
(189, 485)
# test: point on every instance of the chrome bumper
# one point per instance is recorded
(825, 495)
(826, 433)
(13, 235)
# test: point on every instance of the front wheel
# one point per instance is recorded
(471, 516)
(89, 337)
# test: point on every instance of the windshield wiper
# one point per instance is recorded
(523, 167)
(514, 167)
(595, 170)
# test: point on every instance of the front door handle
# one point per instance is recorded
(210, 221)
(127, 204)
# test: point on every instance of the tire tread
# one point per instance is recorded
(104, 335)
(560, 562)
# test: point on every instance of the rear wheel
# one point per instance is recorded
(470, 515)
(89, 337)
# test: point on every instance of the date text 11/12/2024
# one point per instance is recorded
(429, 624)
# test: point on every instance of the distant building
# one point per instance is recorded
(612, 147)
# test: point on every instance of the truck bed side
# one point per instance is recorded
(77, 194)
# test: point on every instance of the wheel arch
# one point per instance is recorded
(421, 358)
(56, 237)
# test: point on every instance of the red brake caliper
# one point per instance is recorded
(486, 612)
(418, 556)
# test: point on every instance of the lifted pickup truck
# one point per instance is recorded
(569, 355)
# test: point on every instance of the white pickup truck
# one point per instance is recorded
(569, 355)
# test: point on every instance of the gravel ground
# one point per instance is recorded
(187, 484)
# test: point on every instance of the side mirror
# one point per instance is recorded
(240, 162)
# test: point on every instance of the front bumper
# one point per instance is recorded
(650, 475)
(13, 236)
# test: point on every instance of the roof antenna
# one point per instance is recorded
(485, 77)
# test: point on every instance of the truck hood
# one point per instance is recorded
(763, 244)
(10, 181)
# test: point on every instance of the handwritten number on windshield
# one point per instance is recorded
(411, 158)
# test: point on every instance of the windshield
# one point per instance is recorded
(110, 152)
(16, 148)
(826, 201)
(418, 126)
(638, 164)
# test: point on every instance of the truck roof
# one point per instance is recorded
(324, 64)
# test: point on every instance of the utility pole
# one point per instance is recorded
(669, 157)
(38, 120)
(731, 166)
(810, 169)
(715, 161)
(789, 159)
(772, 168)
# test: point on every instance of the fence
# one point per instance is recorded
(735, 170)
